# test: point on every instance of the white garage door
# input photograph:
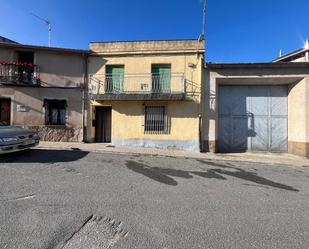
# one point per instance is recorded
(252, 118)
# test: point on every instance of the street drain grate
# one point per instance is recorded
(96, 233)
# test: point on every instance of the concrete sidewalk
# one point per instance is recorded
(261, 157)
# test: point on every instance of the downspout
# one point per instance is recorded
(85, 99)
(200, 59)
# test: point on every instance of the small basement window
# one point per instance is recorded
(156, 121)
(55, 111)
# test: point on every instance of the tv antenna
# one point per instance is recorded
(202, 36)
(48, 23)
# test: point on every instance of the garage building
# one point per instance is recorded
(256, 107)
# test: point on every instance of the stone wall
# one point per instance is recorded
(58, 133)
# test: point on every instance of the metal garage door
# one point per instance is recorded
(252, 118)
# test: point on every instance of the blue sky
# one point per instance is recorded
(237, 31)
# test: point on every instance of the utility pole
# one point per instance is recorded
(48, 23)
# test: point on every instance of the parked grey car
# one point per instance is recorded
(15, 139)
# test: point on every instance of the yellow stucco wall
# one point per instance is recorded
(128, 119)
(297, 112)
(141, 64)
(128, 116)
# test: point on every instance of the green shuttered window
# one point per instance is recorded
(161, 78)
(114, 78)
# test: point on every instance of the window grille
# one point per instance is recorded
(55, 111)
(156, 121)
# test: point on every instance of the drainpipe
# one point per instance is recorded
(85, 99)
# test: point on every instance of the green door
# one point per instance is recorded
(161, 78)
(114, 78)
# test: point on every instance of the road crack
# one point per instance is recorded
(96, 232)
(18, 198)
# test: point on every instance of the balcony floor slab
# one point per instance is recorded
(139, 96)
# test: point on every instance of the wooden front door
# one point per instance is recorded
(5, 111)
(103, 124)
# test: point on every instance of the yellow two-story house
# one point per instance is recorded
(146, 93)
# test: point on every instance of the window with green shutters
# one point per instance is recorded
(161, 78)
(114, 78)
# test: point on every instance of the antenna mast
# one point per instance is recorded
(48, 23)
(204, 19)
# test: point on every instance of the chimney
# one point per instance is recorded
(280, 53)
(307, 50)
(306, 44)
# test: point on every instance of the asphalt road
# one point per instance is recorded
(74, 199)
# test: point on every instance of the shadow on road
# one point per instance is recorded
(43, 156)
(164, 175)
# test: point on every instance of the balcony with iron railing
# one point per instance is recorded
(19, 73)
(137, 86)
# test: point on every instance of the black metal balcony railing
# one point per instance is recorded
(17, 72)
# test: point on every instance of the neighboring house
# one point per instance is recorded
(6, 40)
(258, 106)
(299, 55)
(146, 93)
(42, 88)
